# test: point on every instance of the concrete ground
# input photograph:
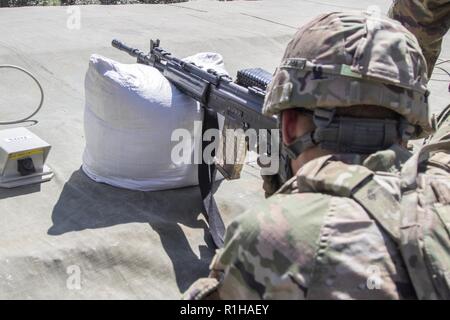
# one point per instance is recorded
(126, 244)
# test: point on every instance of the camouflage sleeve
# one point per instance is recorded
(428, 20)
(268, 253)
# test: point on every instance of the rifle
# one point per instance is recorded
(239, 102)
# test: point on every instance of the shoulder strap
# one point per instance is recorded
(410, 168)
(206, 179)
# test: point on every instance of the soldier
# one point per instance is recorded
(355, 209)
(428, 20)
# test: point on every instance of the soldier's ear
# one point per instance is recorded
(295, 124)
(289, 125)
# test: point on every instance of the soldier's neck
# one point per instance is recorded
(306, 156)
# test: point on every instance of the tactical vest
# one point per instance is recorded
(412, 207)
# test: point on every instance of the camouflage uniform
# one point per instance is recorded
(305, 243)
(328, 233)
(428, 20)
(311, 241)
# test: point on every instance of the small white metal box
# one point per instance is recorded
(22, 158)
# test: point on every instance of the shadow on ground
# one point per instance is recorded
(85, 204)
(19, 191)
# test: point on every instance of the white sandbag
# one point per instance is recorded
(131, 111)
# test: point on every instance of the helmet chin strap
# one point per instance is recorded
(322, 119)
(346, 135)
(299, 145)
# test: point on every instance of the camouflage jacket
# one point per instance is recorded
(428, 20)
(311, 241)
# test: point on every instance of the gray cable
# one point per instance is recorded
(40, 89)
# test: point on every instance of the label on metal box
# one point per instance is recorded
(25, 154)
(17, 139)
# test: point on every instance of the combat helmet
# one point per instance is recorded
(346, 59)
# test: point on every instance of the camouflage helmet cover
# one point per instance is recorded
(353, 58)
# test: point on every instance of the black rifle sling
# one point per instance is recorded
(206, 179)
